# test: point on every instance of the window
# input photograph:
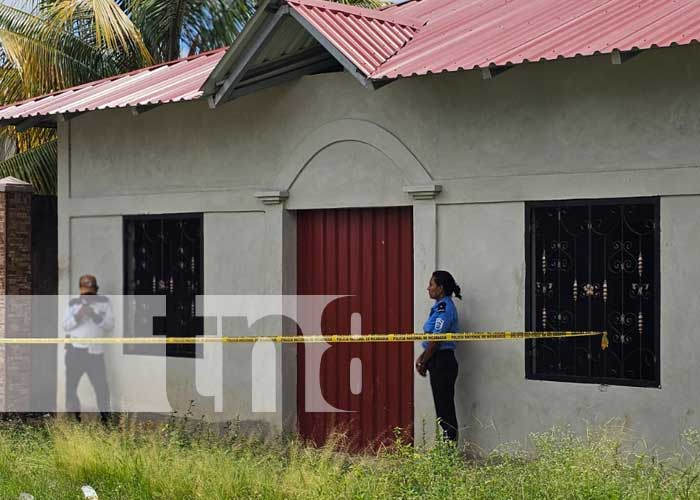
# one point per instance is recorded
(163, 256)
(594, 265)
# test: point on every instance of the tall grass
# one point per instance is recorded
(134, 461)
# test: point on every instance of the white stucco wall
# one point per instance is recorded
(567, 129)
(497, 404)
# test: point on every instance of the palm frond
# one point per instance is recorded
(37, 165)
(11, 85)
(110, 25)
(32, 138)
(41, 66)
(170, 26)
(221, 23)
(157, 20)
(45, 58)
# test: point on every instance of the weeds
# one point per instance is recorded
(180, 461)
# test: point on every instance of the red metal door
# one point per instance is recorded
(367, 254)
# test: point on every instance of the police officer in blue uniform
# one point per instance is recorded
(438, 358)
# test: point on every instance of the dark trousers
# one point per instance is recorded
(79, 362)
(443, 370)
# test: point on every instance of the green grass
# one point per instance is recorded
(166, 462)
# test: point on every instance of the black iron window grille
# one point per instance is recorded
(163, 256)
(594, 265)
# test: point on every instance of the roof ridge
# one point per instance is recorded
(396, 4)
(377, 14)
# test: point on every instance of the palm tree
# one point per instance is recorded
(60, 45)
(63, 43)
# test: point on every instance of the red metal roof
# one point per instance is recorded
(179, 80)
(467, 34)
(413, 38)
(366, 37)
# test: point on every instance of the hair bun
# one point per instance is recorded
(447, 282)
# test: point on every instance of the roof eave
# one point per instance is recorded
(263, 15)
(23, 124)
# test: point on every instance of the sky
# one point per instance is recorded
(22, 4)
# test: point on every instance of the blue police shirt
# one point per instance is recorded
(443, 319)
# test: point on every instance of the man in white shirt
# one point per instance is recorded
(87, 316)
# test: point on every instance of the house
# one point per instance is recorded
(546, 153)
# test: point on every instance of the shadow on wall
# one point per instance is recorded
(44, 250)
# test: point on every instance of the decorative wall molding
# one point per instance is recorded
(351, 130)
(427, 192)
(274, 197)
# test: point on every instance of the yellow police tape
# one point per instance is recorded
(313, 339)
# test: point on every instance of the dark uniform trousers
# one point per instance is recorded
(443, 370)
(78, 362)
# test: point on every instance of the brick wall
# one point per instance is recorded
(15, 292)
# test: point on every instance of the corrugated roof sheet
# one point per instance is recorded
(413, 38)
(467, 34)
(179, 80)
(366, 37)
